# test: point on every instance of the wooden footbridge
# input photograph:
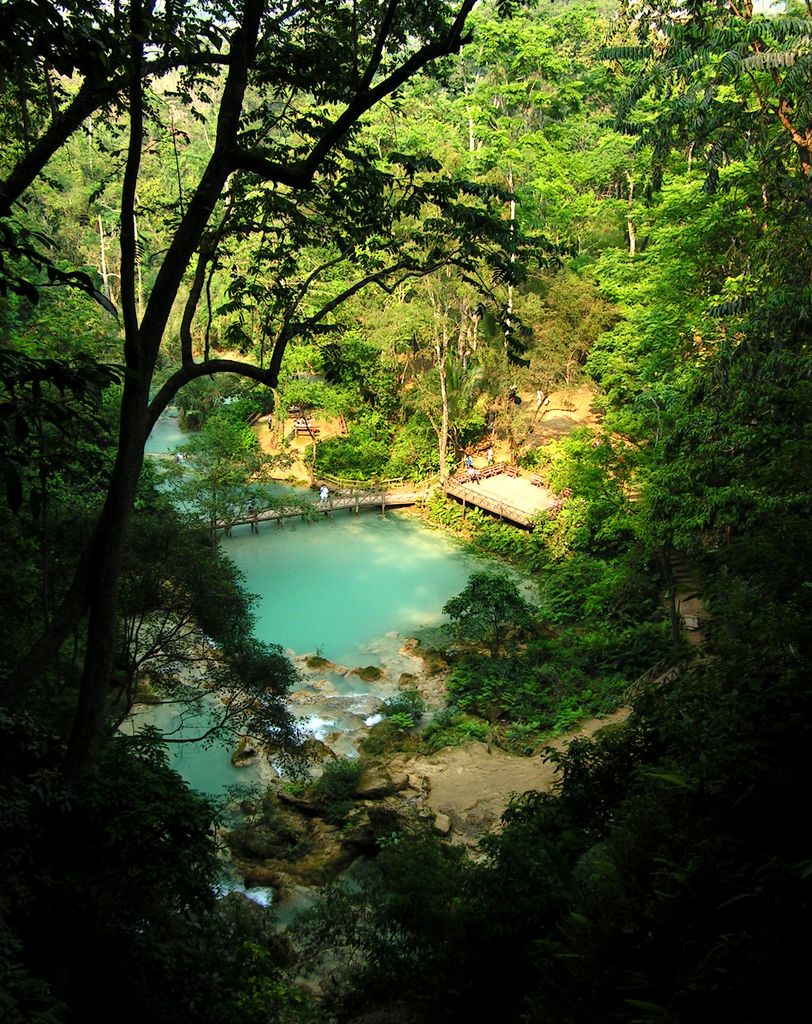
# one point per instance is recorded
(353, 496)
(353, 499)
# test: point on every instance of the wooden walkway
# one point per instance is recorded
(398, 496)
(509, 497)
(469, 496)
(353, 501)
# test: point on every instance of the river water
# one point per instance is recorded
(166, 435)
(347, 588)
(350, 589)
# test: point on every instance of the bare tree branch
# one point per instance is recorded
(300, 175)
(380, 42)
(191, 371)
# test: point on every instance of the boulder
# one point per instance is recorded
(407, 681)
(441, 825)
(317, 752)
(300, 803)
(359, 834)
(420, 784)
(315, 661)
(261, 877)
(244, 759)
(245, 753)
(369, 673)
(321, 866)
(254, 842)
(380, 819)
(376, 783)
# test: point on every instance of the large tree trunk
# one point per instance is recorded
(106, 556)
(671, 596)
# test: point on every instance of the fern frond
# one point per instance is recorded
(785, 28)
(730, 65)
(732, 307)
(799, 77)
(771, 59)
(624, 53)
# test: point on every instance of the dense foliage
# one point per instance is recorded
(612, 194)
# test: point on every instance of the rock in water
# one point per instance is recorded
(259, 877)
(369, 674)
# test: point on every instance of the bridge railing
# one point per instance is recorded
(663, 673)
(495, 469)
(374, 486)
(500, 508)
(353, 499)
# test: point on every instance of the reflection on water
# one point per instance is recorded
(166, 435)
(206, 767)
(349, 587)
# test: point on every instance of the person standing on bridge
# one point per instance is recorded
(469, 462)
(324, 494)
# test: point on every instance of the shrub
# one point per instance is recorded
(450, 728)
(534, 458)
(414, 451)
(362, 454)
(405, 710)
(335, 788)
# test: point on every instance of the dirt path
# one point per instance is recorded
(566, 409)
(296, 447)
(472, 785)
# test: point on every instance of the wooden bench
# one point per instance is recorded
(467, 478)
(536, 480)
(305, 430)
(497, 469)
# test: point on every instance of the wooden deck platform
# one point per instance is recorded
(506, 495)
(497, 503)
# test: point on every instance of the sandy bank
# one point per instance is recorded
(473, 784)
